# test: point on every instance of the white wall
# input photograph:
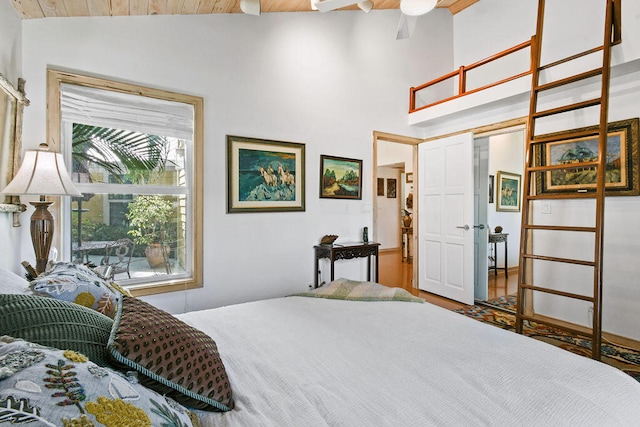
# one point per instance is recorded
(326, 80)
(10, 68)
(475, 38)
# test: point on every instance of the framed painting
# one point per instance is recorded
(264, 175)
(340, 178)
(391, 188)
(508, 197)
(380, 186)
(623, 158)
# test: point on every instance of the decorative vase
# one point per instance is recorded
(406, 220)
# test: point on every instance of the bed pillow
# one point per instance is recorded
(46, 386)
(55, 323)
(11, 283)
(174, 358)
(78, 284)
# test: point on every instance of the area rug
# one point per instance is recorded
(501, 313)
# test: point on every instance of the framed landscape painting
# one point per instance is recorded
(622, 157)
(264, 175)
(340, 178)
(508, 192)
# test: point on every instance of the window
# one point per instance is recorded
(136, 155)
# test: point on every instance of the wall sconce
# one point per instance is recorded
(42, 173)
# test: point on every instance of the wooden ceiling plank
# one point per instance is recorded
(229, 6)
(190, 6)
(460, 5)
(138, 7)
(53, 8)
(158, 7)
(174, 7)
(76, 7)
(28, 9)
(206, 6)
(119, 7)
(98, 7)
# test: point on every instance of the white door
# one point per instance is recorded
(445, 217)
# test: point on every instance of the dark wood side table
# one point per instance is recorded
(346, 251)
(407, 236)
(495, 239)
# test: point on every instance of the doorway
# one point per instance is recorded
(394, 160)
(505, 142)
(497, 153)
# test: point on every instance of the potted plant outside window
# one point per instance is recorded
(149, 220)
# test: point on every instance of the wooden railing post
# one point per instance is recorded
(462, 80)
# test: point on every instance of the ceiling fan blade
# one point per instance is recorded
(328, 5)
(406, 26)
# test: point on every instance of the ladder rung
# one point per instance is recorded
(571, 58)
(557, 292)
(569, 80)
(567, 108)
(572, 195)
(564, 135)
(569, 166)
(564, 327)
(559, 228)
(557, 259)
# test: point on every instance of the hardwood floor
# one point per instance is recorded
(396, 273)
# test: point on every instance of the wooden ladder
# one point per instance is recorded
(537, 169)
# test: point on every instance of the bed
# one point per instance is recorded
(348, 354)
(299, 361)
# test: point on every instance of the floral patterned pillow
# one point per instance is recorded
(78, 284)
(46, 386)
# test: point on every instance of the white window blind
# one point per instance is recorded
(106, 108)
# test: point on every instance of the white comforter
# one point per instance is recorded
(314, 362)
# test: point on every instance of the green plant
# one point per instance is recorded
(149, 218)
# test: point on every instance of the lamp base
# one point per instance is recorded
(42, 227)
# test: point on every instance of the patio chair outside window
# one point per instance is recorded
(119, 257)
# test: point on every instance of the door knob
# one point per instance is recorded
(481, 226)
(464, 227)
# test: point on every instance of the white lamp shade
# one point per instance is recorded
(417, 7)
(42, 173)
(250, 7)
(366, 5)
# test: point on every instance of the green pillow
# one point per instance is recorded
(54, 323)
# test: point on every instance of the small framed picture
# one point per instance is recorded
(409, 177)
(380, 186)
(391, 188)
(340, 178)
(491, 189)
(508, 192)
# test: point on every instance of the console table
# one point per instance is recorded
(346, 251)
(495, 239)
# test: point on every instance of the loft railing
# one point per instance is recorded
(461, 73)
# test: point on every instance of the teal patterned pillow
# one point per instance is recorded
(46, 386)
(78, 284)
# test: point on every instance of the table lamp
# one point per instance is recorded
(42, 173)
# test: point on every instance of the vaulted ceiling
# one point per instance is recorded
(30, 9)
